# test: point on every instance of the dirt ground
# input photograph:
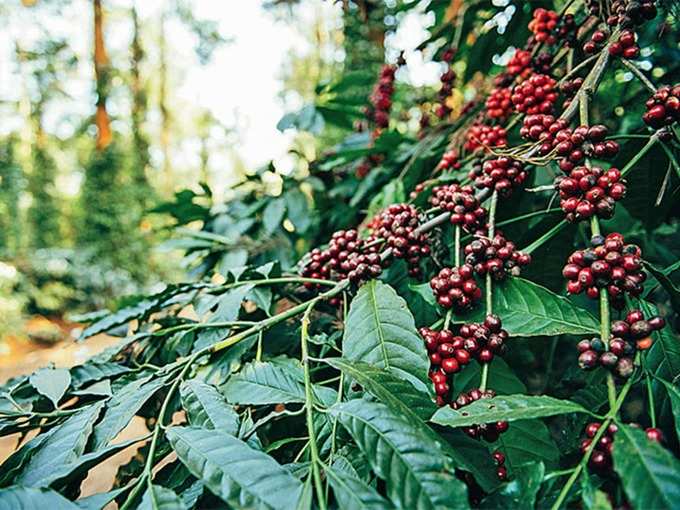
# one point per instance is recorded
(20, 355)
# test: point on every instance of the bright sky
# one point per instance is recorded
(240, 85)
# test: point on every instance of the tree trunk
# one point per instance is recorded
(138, 114)
(102, 78)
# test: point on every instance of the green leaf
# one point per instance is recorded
(650, 474)
(504, 379)
(353, 493)
(387, 387)
(272, 215)
(416, 472)
(592, 497)
(663, 358)
(207, 408)
(157, 497)
(64, 446)
(521, 492)
(674, 396)
(122, 407)
(28, 498)
(380, 330)
(528, 441)
(233, 471)
(98, 501)
(51, 382)
(93, 371)
(528, 310)
(505, 408)
(261, 383)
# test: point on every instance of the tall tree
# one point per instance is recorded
(102, 79)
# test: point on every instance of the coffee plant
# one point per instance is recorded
(404, 361)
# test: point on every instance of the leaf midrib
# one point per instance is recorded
(381, 336)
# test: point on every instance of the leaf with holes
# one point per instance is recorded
(650, 474)
(416, 472)
(505, 408)
(233, 471)
(381, 331)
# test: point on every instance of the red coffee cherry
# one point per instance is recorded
(496, 256)
(456, 288)
(501, 174)
(663, 108)
(449, 161)
(499, 103)
(535, 95)
(543, 25)
(487, 431)
(608, 264)
(461, 202)
(586, 192)
(483, 137)
(398, 225)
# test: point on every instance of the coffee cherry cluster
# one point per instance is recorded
(481, 136)
(397, 225)
(501, 470)
(627, 337)
(456, 288)
(484, 341)
(631, 12)
(461, 202)
(447, 79)
(590, 191)
(537, 94)
(571, 146)
(519, 64)
(450, 161)
(569, 88)
(543, 25)
(625, 46)
(487, 431)
(497, 257)
(501, 174)
(663, 108)
(608, 264)
(345, 257)
(600, 460)
(381, 97)
(499, 103)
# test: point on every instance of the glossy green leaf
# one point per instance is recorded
(93, 371)
(353, 493)
(207, 408)
(260, 383)
(98, 501)
(674, 396)
(386, 387)
(122, 407)
(528, 441)
(650, 474)
(416, 472)
(273, 214)
(29, 498)
(503, 379)
(233, 471)
(51, 382)
(505, 408)
(63, 447)
(380, 330)
(157, 497)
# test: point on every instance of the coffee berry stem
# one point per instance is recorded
(456, 245)
(489, 281)
(639, 74)
(650, 392)
(613, 411)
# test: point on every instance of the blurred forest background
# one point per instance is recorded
(122, 119)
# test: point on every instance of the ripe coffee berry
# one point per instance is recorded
(543, 25)
(497, 257)
(519, 64)
(397, 225)
(537, 94)
(461, 202)
(449, 161)
(501, 174)
(586, 192)
(499, 103)
(345, 257)
(481, 136)
(663, 108)
(484, 341)
(569, 88)
(608, 264)
(381, 97)
(629, 13)
(601, 459)
(625, 46)
(456, 288)
(487, 431)
(499, 459)
(447, 79)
